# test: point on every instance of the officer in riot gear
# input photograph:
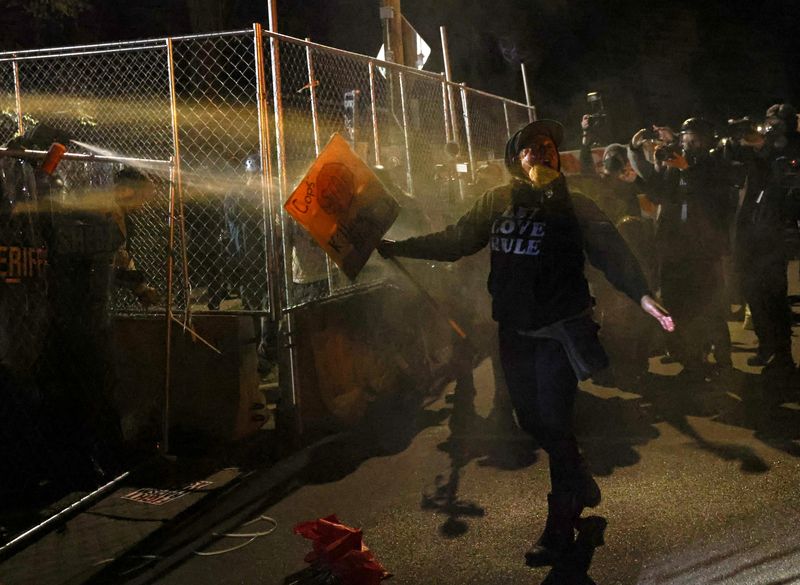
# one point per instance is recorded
(773, 184)
(696, 188)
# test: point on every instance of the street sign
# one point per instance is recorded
(416, 50)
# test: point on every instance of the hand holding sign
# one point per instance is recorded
(343, 205)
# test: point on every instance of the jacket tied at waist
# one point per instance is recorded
(577, 334)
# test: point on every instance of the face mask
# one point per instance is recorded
(541, 176)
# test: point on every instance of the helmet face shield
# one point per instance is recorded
(252, 164)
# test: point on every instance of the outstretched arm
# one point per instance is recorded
(467, 236)
(608, 251)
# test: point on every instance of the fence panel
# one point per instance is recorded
(56, 343)
(487, 125)
(226, 223)
(111, 103)
(8, 106)
(517, 116)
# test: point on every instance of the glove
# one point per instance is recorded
(386, 248)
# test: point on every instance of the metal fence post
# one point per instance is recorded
(174, 191)
(168, 312)
(465, 107)
(280, 148)
(508, 124)
(18, 99)
(531, 109)
(448, 131)
(374, 106)
(265, 154)
(409, 177)
(312, 92)
(449, 77)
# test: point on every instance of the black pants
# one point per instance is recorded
(542, 386)
(693, 290)
(764, 285)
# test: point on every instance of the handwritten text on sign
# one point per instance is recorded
(343, 205)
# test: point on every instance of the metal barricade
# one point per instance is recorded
(224, 125)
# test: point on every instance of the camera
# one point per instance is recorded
(667, 152)
(597, 112)
(743, 129)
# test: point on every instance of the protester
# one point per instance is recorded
(537, 233)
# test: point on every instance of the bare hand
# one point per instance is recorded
(665, 133)
(659, 313)
(585, 122)
(638, 139)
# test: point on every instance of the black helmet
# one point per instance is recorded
(785, 112)
(615, 157)
(698, 126)
(554, 130)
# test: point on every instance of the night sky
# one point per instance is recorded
(653, 62)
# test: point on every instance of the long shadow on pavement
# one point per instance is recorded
(493, 443)
(611, 427)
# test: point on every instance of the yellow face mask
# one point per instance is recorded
(541, 176)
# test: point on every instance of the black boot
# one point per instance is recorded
(563, 511)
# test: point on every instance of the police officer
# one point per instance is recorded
(696, 189)
(616, 187)
(761, 254)
(538, 233)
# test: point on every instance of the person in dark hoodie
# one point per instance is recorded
(538, 234)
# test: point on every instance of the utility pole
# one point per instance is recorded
(392, 21)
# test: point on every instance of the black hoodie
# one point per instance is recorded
(537, 239)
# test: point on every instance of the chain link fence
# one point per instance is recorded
(196, 116)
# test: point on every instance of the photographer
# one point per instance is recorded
(695, 187)
(773, 179)
(616, 187)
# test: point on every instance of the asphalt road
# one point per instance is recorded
(700, 482)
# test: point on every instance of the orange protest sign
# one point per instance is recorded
(343, 205)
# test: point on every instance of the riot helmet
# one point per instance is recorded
(525, 138)
(252, 164)
(780, 121)
(696, 137)
(615, 157)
